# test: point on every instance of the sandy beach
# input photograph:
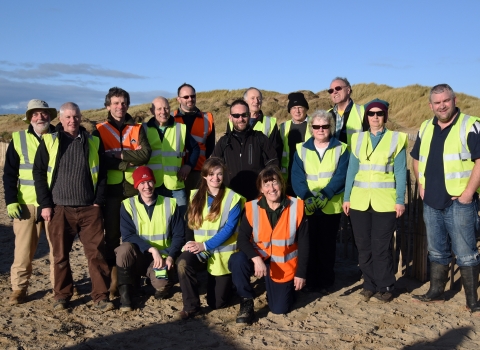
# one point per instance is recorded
(339, 320)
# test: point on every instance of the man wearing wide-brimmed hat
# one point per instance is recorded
(20, 197)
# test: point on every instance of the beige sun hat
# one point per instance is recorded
(38, 104)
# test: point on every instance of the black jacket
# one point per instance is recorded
(275, 138)
(245, 154)
(40, 167)
(10, 170)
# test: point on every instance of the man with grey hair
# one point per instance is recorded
(447, 166)
(20, 197)
(169, 141)
(70, 183)
(348, 115)
(260, 122)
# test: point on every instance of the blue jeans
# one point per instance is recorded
(452, 229)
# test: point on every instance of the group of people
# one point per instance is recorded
(163, 199)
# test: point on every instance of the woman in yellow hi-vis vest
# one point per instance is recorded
(212, 219)
(318, 175)
(374, 198)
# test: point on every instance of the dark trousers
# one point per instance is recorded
(140, 264)
(373, 233)
(87, 222)
(280, 295)
(322, 231)
(111, 213)
(218, 287)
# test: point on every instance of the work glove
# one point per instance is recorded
(321, 201)
(310, 206)
(203, 256)
(14, 210)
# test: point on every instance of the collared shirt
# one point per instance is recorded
(438, 197)
(339, 118)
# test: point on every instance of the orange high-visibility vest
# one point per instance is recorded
(113, 141)
(201, 128)
(277, 244)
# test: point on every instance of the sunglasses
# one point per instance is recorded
(372, 113)
(186, 97)
(336, 88)
(324, 127)
(238, 115)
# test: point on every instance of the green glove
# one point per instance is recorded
(310, 206)
(14, 210)
(321, 201)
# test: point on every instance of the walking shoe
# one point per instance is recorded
(185, 315)
(383, 297)
(366, 294)
(104, 305)
(60, 304)
(18, 297)
(246, 312)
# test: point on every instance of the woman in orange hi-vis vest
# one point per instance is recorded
(273, 243)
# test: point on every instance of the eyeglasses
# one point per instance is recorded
(238, 115)
(379, 113)
(186, 97)
(324, 127)
(336, 88)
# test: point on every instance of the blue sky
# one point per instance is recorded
(75, 51)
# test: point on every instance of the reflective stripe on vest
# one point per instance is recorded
(52, 144)
(319, 171)
(207, 119)
(159, 222)
(284, 132)
(166, 157)
(278, 243)
(374, 183)
(457, 163)
(25, 145)
(114, 141)
(217, 265)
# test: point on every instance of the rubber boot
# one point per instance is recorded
(113, 283)
(246, 313)
(126, 281)
(469, 275)
(438, 280)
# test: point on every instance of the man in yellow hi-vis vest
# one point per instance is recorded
(20, 195)
(348, 115)
(153, 234)
(447, 165)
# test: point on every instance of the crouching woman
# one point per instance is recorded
(273, 243)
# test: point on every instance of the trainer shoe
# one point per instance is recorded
(366, 294)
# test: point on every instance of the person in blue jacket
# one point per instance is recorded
(319, 170)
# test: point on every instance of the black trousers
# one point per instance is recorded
(218, 287)
(373, 233)
(323, 231)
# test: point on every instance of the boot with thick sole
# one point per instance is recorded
(469, 276)
(113, 283)
(126, 280)
(438, 281)
(246, 313)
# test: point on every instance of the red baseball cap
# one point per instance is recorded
(142, 173)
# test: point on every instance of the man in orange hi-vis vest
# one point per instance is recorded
(126, 147)
(200, 125)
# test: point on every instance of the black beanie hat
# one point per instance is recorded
(296, 99)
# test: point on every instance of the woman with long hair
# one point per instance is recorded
(212, 219)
